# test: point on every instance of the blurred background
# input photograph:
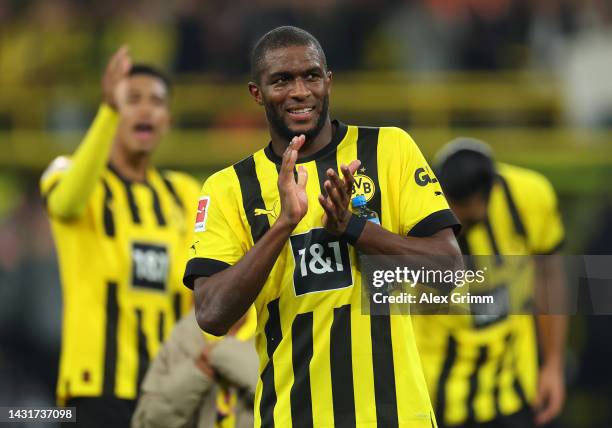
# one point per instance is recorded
(531, 77)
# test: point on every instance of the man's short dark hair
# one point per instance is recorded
(282, 37)
(149, 70)
(465, 167)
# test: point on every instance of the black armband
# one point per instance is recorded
(354, 228)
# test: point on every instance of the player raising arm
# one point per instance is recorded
(121, 231)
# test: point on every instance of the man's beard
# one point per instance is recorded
(280, 127)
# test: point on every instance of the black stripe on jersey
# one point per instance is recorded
(384, 371)
(172, 191)
(323, 164)
(449, 361)
(493, 241)
(177, 306)
(516, 384)
(498, 373)
(516, 218)
(109, 222)
(483, 353)
(143, 353)
(342, 368)
(161, 327)
(130, 195)
(110, 340)
(251, 197)
(302, 349)
(268, 392)
(520, 392)
(295, 174)
(159, 215)
(464, 246)
(202, 267)
(132, 203)
(367, 153)
(435, 222)
(380, 326)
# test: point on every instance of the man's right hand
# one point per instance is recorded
(293, 197)
(203, 362)
(117, 69)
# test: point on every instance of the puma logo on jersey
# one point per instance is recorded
(264, 211)
(261, 211)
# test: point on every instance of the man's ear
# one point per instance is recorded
(329, 75)
(255, 93)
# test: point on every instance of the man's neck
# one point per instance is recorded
(133, 167)
(279, 143)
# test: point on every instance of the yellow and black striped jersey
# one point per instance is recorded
(478, 368)
(121, 265)
(322, 362)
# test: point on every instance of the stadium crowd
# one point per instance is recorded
(64, 40)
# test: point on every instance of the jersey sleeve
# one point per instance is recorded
(219, 241)
(67, 198)
(545, 232)
(52, 175)
(423, 206)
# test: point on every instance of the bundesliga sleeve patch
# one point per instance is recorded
(203, 204)
(61, 163)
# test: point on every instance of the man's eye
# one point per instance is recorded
(158, 101)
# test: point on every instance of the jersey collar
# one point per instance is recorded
(337, 137)
(126, 180)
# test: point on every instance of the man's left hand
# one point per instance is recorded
(551, 393)
(336, 203)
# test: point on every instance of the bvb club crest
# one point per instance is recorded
(364, 185)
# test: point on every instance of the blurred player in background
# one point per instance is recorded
(482, 371)
(201, 381)
(122, 231)
(288, 244)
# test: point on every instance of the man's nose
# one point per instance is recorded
(145, 110)
(299, 89)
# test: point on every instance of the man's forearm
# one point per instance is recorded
(375, 240)
(69, 199)
(552, 303)
(552, 338)
(224, 297)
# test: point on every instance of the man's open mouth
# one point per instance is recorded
(144, 130)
